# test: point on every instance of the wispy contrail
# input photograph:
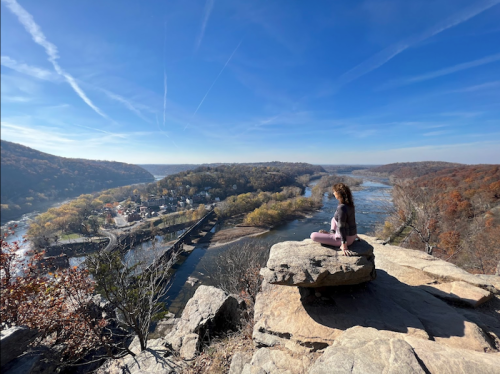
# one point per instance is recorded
(164, 73)
(34, 71)
(127, 103)
(103, 131)
(38, 36)
(206, 15)
(165, 133)
(446, 71)
(218, 75)
(164, 96)
(390, 52)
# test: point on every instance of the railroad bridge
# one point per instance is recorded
(177, 247)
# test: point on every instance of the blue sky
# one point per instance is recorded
(326, 82)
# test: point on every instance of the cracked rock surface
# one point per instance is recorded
(420, 315)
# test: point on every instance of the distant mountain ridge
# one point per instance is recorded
(30, 177)
(169, 169)
(407, 169)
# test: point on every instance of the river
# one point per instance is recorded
(371, 201)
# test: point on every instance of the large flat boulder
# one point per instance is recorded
(398, 261)
(310, 264)
(367, 350)
(281, 315)
(460, 292)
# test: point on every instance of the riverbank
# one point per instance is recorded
(231, 235)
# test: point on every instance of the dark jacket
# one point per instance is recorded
(346, 221)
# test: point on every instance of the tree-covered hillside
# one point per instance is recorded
(226, 180)
(453, 213)
(407, 169)
(30, 177)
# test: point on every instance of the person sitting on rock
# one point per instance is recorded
(343, 228)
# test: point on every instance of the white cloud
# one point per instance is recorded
(28, 70)
(15, 99)
(38, 36)
(436, 133)
(42, 138)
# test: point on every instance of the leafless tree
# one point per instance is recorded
(135, 289)
(415, 209)
(238, 267)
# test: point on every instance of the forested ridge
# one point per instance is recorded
(453, 213)
(231, 179)
(30, 177)
(168, 169)
(407, 169)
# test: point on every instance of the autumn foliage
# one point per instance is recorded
(458, 209)
(58, 305)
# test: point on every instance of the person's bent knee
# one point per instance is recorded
(314, 236)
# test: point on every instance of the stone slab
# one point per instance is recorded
(459, 292)
(310, 264)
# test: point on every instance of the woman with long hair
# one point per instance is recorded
(343, 227)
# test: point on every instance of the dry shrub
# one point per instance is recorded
(216, 358)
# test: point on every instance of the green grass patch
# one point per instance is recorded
(69, 236)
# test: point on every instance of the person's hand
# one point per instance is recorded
(323, 232)
(346, 251)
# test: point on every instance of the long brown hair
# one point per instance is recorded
(344, 193)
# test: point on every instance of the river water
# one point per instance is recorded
(371, 200)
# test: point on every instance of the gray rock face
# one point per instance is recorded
(366, 350)
(210, 310)
(238, 362)
(153, 360)
(310, 264)
(13, 342)
(361, 350)
(282, 316)
(276, 361)
(460, 292)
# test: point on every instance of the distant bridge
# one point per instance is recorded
(176, 248)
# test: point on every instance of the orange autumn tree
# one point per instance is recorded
(58, 305)
(455, 212)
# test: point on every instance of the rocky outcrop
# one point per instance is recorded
(460, 292)
(155, 359)
(367, 350)
(13, 342)
(418, 316)
(310, 264)
(208, 312)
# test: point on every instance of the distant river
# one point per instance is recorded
(370, 200)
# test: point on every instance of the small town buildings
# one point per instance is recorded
(133, 217)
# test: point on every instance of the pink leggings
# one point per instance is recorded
(331, 239)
